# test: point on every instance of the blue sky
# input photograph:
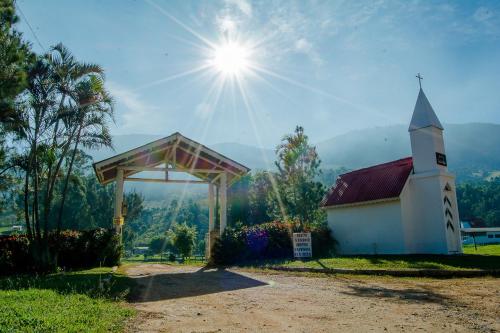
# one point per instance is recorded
(331, 66)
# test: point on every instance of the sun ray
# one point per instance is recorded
(173, 77)
(217, 87)
(274, 185)
(320, 92)
(184, 26)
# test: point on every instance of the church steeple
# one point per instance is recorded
(423, 114)
(426, 134)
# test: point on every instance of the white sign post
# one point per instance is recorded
(302, 247)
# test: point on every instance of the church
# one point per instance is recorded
(407, 206)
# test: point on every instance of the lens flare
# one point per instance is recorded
(231, 58)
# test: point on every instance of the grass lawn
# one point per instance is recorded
(491, 250)
(83, 301)
(157, 259)
(486, 257)
(5, 230)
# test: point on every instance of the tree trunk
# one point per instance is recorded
(66, 181)
(26, 204)
(52, 181)
(36, 216)
(51, 177)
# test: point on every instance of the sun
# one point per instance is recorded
(231, 58)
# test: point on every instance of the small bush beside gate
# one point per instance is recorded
(267, 241)
(68, 250)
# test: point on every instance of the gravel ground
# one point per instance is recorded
(190, 299)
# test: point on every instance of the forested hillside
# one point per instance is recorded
(473, 149)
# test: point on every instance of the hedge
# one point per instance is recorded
(67, 250)
(267, 241)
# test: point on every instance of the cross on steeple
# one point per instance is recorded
(420, 78)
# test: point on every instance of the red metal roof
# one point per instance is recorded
(378, 182)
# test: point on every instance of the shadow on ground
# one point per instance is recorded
(407, 294)
(91, 283)
(171, 285)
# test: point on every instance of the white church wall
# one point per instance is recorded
(423, 215)
(448, 190)
(368, 229)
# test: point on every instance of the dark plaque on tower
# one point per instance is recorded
(441, 159)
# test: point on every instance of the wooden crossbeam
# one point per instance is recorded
(176, 181)
(141, 168)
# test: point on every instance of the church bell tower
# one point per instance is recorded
(434, 200)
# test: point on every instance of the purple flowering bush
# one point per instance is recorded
(267, 241)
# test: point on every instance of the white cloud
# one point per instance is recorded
(226, 24)
(243, 5)
(304, 46)
(136, 113)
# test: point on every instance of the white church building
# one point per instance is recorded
(408, 206)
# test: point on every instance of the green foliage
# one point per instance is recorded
(70, 249)
(83, 301)
(238, 203)
(267, 241)
(480, 200)
(15, 255)
(298, 193)
(15, 57)
(160, 244)
(154, 221)
(51, 105)
(183, 239)
(258, 194)
(229, 248)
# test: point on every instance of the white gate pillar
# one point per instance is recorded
(223, 202)
(118, 218)
(211, 207)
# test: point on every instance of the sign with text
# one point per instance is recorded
(441, 159)
(302, 247)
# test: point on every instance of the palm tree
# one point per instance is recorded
(91, 112)
(35, 118)
(67, 73)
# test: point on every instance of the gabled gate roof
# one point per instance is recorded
(176, 150)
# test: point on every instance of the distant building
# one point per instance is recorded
(138, 250)
(472, 233)
(400, 207)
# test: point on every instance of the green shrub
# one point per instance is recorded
(323, 244)
(267, 241)
(68, 250)
(229, 248)
(183, 238)
(15, 254)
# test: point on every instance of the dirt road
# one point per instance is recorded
(187, 299)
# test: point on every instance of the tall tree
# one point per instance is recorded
(258, 195)
(183, 239)
(69, 77)
(32, 128)
(238, 203)
(298, 192)
(88, 117)
(15, 57)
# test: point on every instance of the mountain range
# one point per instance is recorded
(472, 147)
